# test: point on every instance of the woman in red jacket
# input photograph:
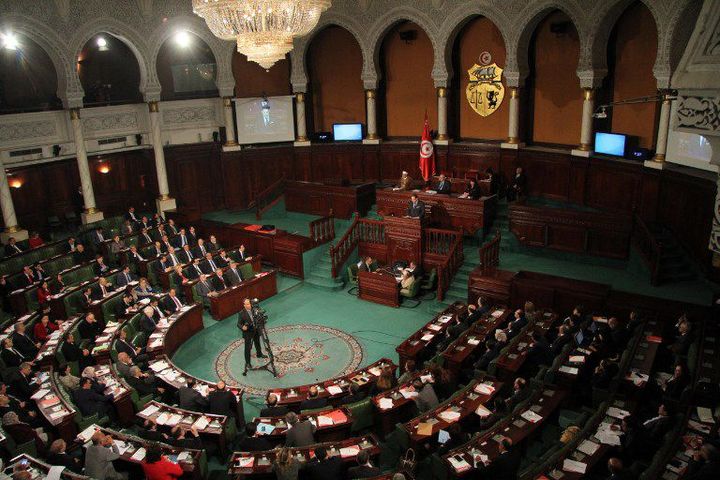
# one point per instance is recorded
(43, 329)
(43, 292)
(157, 467)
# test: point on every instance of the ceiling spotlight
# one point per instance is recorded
(102, 44)
(183, 39)
(9, 41)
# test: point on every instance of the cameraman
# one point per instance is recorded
(248, 325)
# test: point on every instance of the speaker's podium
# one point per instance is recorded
(404, 239)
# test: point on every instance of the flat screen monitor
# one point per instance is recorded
(610, 144)
(265, 119)
(347, 132)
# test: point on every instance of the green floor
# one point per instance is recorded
(290, 221)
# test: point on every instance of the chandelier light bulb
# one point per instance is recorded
(9, 41)
(183, 39)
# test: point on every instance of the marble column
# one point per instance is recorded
(229, 124)
(663, 128)
(371, 121)
(90, 213)
(586, 128)
(164, 201)
(8, 211)
(301, 139)
(513, 140)
(442, 136)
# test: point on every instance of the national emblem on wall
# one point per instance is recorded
(485, 92)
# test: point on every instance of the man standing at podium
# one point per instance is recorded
(416, 208)
(248, 327)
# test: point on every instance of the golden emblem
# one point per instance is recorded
(485, 91)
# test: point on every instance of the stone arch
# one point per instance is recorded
(527, 21)
(149, 86)
(461, 16)
(378, 31)
(197, 27)
(678, 28)
(298, 56)
(69, 89)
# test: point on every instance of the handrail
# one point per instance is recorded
(340, 252)
(439, 241)
(648, 246)
(268, 197)
(490, 254)
(322, 230)
(447, 270)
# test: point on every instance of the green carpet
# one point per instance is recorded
(376, 329)
(292, 222)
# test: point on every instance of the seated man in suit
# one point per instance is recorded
(100, 267)
(194, 271)
(222, 401)
(191, 399)
(201, 249)
(171, 303)
(122, 307)
(123, 346)
(367, 265)
(20, 382)
(213, 245)
(163, 265)
(273, 409)
(89, 328)
(251, 442)
(232, 275)
(23, 343)
(323, 467)
(242, 254)
(209, 266)
(405, 181)
(27, 278)
(182, 239)
(73, 353)
(104, 288)
(426, 398)
(145, 238)
(172, 257)
(140, 383)
(12, 248)
(313, 401)
(89, 402)
(203, 287)
(148, 323)
(218, 280)
(364, 468)
(355, 395)
(299, 434)
(71, 245)
(130, 215)
(519, 393)
(10, 355)
(416, 209)
(134, 258)
(222, 259)
(171, 228)
(506, 465)
(125, 278)
(145, 223)
(539, 351)
(192, 236)
(443, 185)
(81, 255)
(186, 256)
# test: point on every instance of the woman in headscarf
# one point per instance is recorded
(21, 432)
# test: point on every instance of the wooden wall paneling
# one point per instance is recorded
(371, 163)
(613, 186)
(236, 181)
(323, 164)
(195, 175)
(396, 158)
(648, 195)
(578, 180)
(548, 173)
(508, 163)
(302, 162)
(462, 158)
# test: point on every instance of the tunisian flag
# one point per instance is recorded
(427, 153)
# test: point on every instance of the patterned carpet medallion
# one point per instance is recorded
(303, 354)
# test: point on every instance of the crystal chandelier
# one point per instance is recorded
(263, 29)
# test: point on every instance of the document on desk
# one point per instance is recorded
(201, 423)
(482, 412)
(607, 438)
(705, 415)
(531, 416)
(150, 410)
(334, 390)
(54, 473)
(568, 370)
(450, 416)
(139, 456)
(407, 393)
(425, 429)
(459, 464)
(484, 388)
(573, 466)
(246, 462)
(587, 447)
(618, 413)
(385, 403)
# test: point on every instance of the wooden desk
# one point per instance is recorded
(256, 263)
(40, 469)
(191, 458)
(174, 330)
(644, 356)
(243, 464)
(230, 301)
(336, 431)
(321, 198)
(544, 403)
(379, 287)
(53, 407)
(596, 233)
(464, 403)
(465, 345)
(57, 302)
(446, 211)
(214, 429)
(511, 361)
(120, 391)
(365, 378)
(421, 345)
(403, 407)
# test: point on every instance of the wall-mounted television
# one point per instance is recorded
(347, 132)
(610, 144)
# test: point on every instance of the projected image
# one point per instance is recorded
(265, 119)
(610, 144)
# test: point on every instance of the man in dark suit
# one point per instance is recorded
(130, 215)
(364, 468)
(124, 278)
(172, 229)
(705, 464)
(11, 248)
(218, 280)
(89, 401)
(71, 245)
(232, 275)
(222, 401)
(222, 259)
(615, 467)
(248, 327)
(653, 429)
(518, 186)
(100, 267)
(134, 258)
(519, 393)
(88, 328)
(19, 381)
(185, 255)
(252, 443)
(145, 238)
(204, 287)
(182, 239)
(194, 271)
(564, 337)
(355, 395)
(192, 236)
(201, 249)
(313, 401)
(519, 322)
(145, 223)
(73, 353)
(300, 434)
(443, 185)
(243, 255)
(324, 468)
(27, 278)
(416, 209)
(209, 266)
(273, 409)
(123, 345)
(172, 303)
(191, 399)
(539, 351)
(10, 355)
(122, 307)
(81, 255)
(506, 465)
(23, 343)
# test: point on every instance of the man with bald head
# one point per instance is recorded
(615, 467)
(222, 401)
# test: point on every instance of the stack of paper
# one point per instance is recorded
(434, 327)
(85, 435)
(482, 412)
(150, 410)
(497, 313)
(244, 462)
(587, 447)
(349, 452)
(385, 403)
(406, 393)
(705, 415)
(573, 466)
(568, 370)
(173, 420)
(334, 390)
(577, 359)
(531, 416)
(40, 394)
(139, 455)
(459, 464)
(323, 421)
(618, 413)
(201, 423)
(450, 416)
(484, 388)
(427, 337)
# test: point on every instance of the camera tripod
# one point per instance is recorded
(270, 365)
